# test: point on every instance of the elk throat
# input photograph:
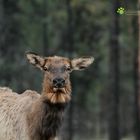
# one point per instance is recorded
(53, 116)
(44, 119)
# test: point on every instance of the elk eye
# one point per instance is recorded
(68, 68)
(45, 69)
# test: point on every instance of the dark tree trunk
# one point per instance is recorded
(70, 27)
(9, 41)
(114, 87)
(137, 78)
(1, 21)
(69, 46)
(45, 28)
(136, 95)
(1, 29)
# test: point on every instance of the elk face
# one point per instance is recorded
(57, 86)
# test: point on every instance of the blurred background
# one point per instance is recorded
(105, 102)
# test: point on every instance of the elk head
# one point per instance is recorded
(56, 85)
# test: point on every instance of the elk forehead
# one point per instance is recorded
(57, 61)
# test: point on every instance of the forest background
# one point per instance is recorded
(105, 103)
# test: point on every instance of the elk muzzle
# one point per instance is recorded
(58, 82)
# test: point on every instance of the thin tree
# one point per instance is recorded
(1, 20)
(137, 77)
(70, 45)
(9, 42)
(45, 28)
(114, 87)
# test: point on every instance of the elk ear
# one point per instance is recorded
(35, 60)
(81, 63)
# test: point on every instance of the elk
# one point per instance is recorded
(34, 116)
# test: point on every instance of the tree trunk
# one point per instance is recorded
(137, 81)
(9, 40)
(1, 21)
(70, 46)
(136, 95)
(114, 87)
(45, 28)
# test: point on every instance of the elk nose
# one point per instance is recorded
(58, 82)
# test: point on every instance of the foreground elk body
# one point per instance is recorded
(31, 116)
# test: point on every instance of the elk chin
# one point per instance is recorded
(59, 90)
(59, 95)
